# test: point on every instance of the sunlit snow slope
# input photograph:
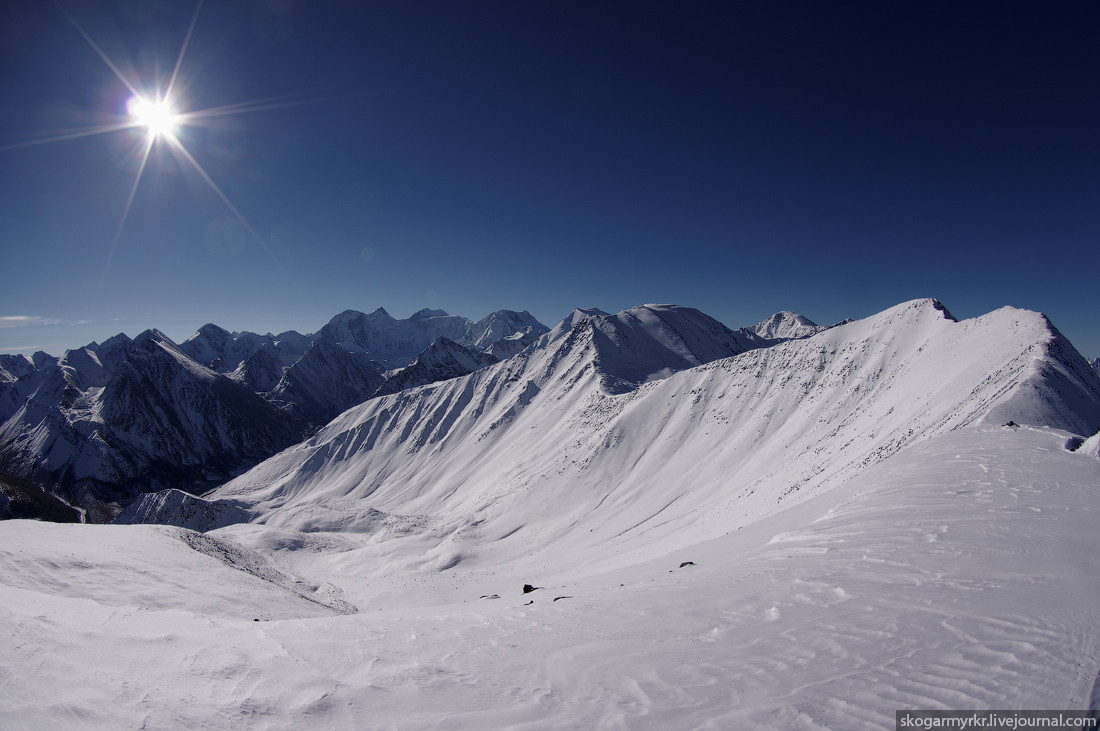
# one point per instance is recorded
(888, 514)
(513, 458)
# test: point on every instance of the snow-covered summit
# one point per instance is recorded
(425, 313)
(649, 342)
(221, 350)
(396, 343)
(786, 325)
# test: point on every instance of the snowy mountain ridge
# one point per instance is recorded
(543, 436)
(893, 513)
(60, 424)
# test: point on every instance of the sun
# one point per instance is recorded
(158, 117)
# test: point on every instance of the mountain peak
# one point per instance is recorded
(786, 325)
(426, 313)
(212, 331)
(154, 335)
(649, 342)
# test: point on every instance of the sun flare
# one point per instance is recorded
(158, 117)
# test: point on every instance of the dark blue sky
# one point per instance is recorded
(828, 158)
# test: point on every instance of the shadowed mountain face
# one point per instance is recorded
(109, 421)
(442, 360)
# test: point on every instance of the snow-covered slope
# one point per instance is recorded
(885, 515)
(181, 509)
(959, 574)
(539, 439)
(14, 367)
(650, 342)
(500, 325)
(105, 422)
(1091, 446)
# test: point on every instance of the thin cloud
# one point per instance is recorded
(10, 321)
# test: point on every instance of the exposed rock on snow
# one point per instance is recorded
(21, 498)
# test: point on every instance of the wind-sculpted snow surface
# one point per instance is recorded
(960, 573)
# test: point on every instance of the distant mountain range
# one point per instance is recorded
(104, 423)
(108, 421)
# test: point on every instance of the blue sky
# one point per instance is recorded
(832, 159)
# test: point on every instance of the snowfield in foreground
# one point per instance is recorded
(958, 574)
(895, 513)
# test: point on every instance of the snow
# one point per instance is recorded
(808, 535)
(1091, 446)
(786, 325)
(175, 507)
(959, 574)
